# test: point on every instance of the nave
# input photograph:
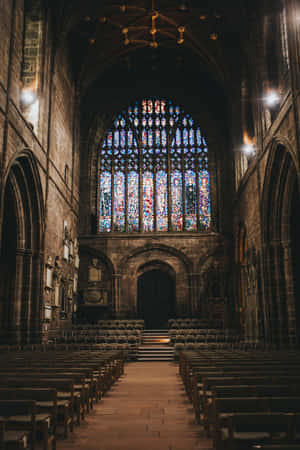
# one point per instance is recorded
(146, 409)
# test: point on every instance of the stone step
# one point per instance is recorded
(141, 359)
(161, 352)
(156, 347)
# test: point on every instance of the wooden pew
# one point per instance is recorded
(64, 387)
(46, 401)
(23, 415)
(246, 430)
(224, 408)
(13, 439)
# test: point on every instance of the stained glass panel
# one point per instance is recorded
(105, 201)
(157, 107)
(144, 138)
(178, 137)
(129, 138)
(204, 200)
(185, 137)
(116, 139)
(190, 201)
(192, 140)
(162, 201)
(109, 139)
(148, 219)
(199, 140)
(176, 200)
(150, 138)
(133, 201)
(119, 201)
(123, 138)
(144, 106)
(157, 138)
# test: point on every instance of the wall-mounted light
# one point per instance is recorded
(28, 97)
(180, 39)
(248, 147)
(272, 99)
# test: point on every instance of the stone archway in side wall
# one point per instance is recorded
(22, 224)
(144, 260)
(280, 203)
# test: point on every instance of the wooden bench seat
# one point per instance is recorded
(46, 401)
(224, 408)
(22, 415)
(64, 387)
(245, 430)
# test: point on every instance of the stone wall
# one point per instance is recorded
(51, 143)
(189, 257)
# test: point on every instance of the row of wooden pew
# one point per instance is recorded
(245, 399)
(43, 394)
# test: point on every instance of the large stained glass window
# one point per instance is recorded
(154, 173)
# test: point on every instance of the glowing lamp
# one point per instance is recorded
(248, 149)
(27, 97)
(213, 36)
(272, 99)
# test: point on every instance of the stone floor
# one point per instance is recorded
(147, 409)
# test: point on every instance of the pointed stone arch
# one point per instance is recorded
(22, 226)
(281, 184)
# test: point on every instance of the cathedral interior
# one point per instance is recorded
(150, 180)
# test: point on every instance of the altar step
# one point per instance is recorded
(155, 346)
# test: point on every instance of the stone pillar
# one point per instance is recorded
(267, 292)
(290, 291)
(16, 300)
(116, 303)
(35, 313)
(194, 281)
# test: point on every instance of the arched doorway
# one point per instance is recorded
(281, 259)
(8, 262)
(156, 298)
(20, 253)
(295, 245)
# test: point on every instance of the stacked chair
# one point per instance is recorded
(193, 334)
(245, 399)
(124, 335)
(44, 394)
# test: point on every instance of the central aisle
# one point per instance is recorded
(147, 409)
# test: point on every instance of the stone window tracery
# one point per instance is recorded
(154, 173)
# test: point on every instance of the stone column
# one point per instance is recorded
(290, 291)
(35, 313)
(116, 303)
(194, 281)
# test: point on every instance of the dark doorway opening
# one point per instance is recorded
(8, 264)
(295, 245)
(156, 298)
